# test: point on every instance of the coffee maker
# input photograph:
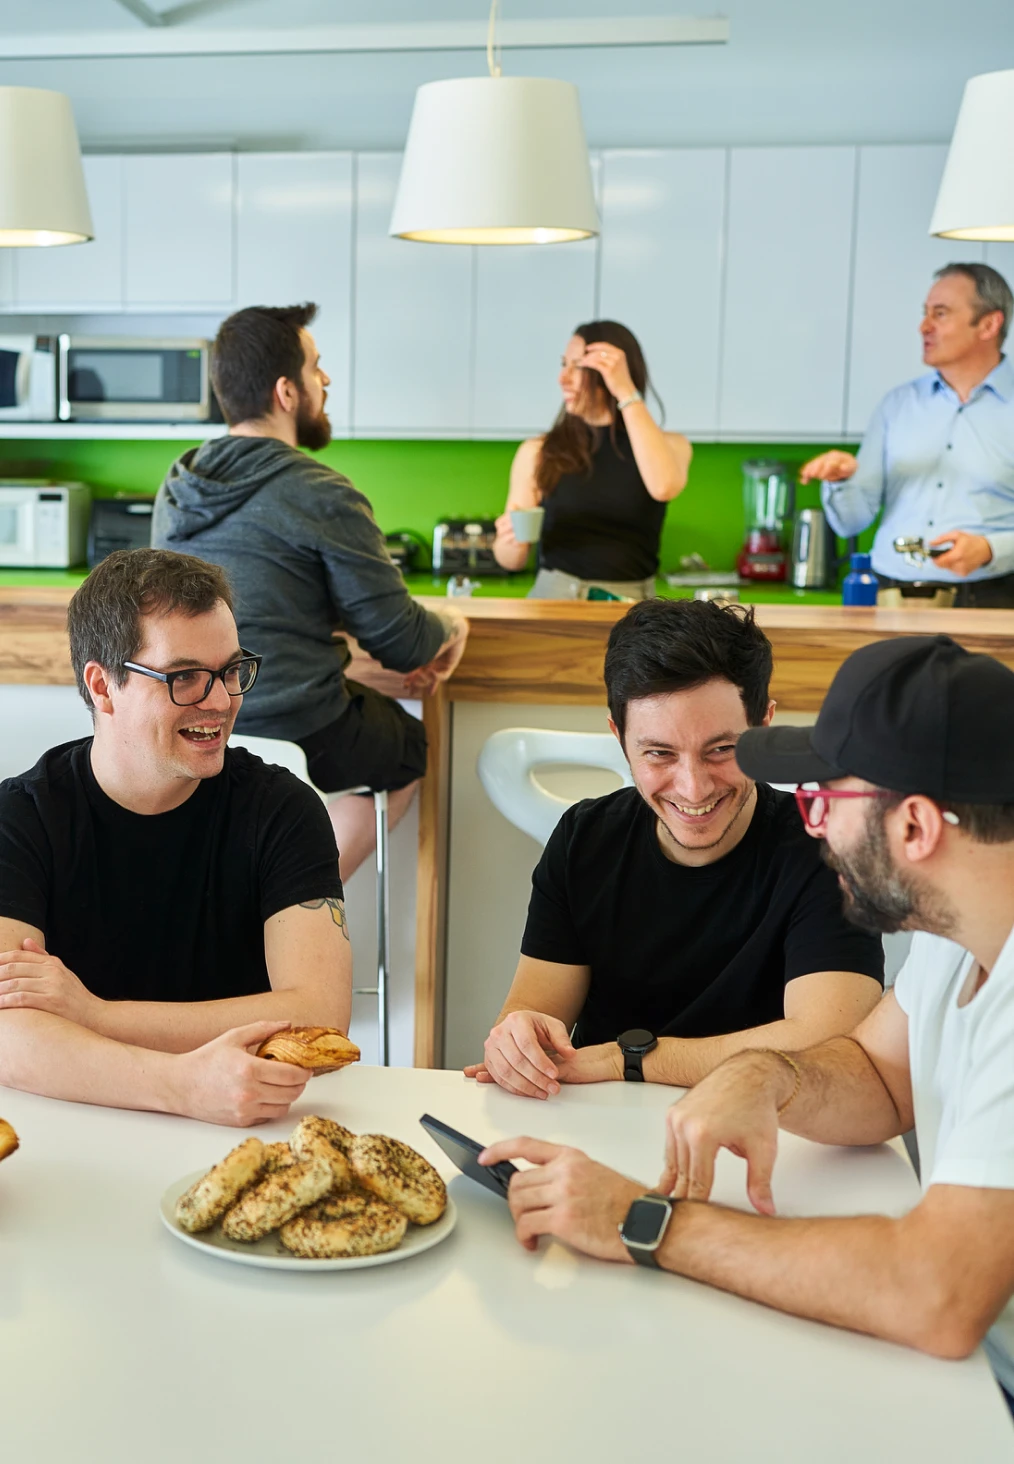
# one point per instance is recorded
(768, 503)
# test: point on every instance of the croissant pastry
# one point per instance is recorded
(321, 1049)
(8, 1139)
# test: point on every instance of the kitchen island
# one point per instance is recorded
(527, 662)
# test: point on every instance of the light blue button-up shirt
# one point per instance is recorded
(934, 463)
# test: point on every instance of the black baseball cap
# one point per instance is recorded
(916, 714)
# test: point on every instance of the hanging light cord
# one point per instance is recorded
(494, 58)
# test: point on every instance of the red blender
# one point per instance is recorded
(768, 496)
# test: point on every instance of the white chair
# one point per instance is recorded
(507, 764)
(290, 755)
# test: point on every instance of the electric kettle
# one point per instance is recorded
(811, 550)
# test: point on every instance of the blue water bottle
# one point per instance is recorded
(859, 586)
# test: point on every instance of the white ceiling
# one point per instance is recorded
(793, 71)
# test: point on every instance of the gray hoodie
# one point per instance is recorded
(305, 557)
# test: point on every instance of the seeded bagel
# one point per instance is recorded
(278, 1198)
(314, 1135)
(208, 1199)
(395, 1173)
(344, 1225)
(278, 1156)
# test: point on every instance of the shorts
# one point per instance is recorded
(556, 584)
(375, 744)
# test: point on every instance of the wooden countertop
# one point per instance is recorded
(552, 650)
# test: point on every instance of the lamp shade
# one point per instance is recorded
(976, 198)
(495, 160)
(42, 188)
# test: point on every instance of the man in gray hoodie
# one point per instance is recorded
(306, 558)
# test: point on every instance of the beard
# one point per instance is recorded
(313, 431)
(877, 897)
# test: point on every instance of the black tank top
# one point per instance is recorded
(607, 525)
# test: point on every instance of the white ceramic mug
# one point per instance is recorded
(527, 524)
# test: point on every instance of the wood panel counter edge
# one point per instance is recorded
(530, 651)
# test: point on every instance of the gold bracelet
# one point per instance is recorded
(799, 1078)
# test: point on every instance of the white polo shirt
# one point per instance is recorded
(962, 1064)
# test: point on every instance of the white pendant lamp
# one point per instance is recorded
(976, 198)
(495, 160)
(42, 190)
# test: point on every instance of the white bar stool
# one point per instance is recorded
(290, 755)
(506, 770)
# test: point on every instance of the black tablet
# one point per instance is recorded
(465, 1154)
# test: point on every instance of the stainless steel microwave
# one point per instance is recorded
(121, 379)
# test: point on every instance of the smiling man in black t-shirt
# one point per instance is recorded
(166, 904)
(679, 921)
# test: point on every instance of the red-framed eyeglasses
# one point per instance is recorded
(814, 803)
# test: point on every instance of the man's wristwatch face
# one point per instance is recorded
(634, 1044)
(644, 1228)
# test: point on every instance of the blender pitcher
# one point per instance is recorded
(768, 502)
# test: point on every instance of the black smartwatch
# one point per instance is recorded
(643, 1231)
(634, 1044)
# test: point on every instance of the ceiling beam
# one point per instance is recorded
(163, 40)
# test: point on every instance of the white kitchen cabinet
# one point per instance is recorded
(663, 223)
(895, 256)
(7, 278)
(413, 320)
(293, 243)
(80, 276)
(787, 289)
(528, 300)
(178, 231)
(1001, 257)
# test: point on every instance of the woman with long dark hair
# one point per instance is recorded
(604, 473)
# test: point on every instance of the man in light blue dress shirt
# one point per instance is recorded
(938, 455)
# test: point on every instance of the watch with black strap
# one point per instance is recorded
(644, 1228)
(635, 1044)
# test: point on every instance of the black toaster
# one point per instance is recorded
(118, 523)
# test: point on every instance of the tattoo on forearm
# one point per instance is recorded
(337, 908)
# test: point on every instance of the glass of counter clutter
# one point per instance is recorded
(460, 586)
(527, 524)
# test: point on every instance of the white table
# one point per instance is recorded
(118, 1343)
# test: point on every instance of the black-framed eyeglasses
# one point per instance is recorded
(193, 683)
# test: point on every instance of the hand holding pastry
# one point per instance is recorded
(317, 1049)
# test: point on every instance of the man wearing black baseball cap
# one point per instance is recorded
(912, 776)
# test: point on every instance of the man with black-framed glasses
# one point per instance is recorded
(913, 794)
(166, 903)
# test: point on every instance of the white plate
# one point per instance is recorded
(271, 1253)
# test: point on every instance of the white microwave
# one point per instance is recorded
(43, 525)
(28, 370)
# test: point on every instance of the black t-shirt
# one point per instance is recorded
(168, 906)
(603, 525)
(683, 951)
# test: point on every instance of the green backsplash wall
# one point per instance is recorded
(414, 484)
